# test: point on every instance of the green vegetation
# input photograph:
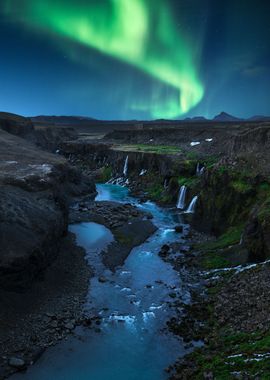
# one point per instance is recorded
(241, 186)
(105, 175)
(264, 212)
(245, 346)
(191, 182)
(157, 193)
(158, 149)
(123, 238)
(214, 260)
(214, 253)
(210, 161)
(264, 187)
(192, 156)
(230, 237)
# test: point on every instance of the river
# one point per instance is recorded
(130, 343)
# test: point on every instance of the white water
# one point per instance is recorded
(125, 170)
(199, 169)
(182, 197)
(142, 172)
(191, 207)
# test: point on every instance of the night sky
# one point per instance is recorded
(135, 59)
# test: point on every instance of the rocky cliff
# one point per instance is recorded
(34, 192)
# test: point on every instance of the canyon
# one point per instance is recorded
(50, 175)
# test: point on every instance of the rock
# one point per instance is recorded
(69, 326)
(102, 279)
(179, 229)
(208, 375)
(17, 363)
(53, 324)
(164, 250)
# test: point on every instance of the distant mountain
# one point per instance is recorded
(61, 119)
(223, 116)
(196, 118)
(88, 121)
(259, 118)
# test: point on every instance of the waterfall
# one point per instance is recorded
(241, 239)
(199, 169)
(143, 172)
(191, 207)
(182, 197)
(125, 170)
(165, 184)
(202, 170)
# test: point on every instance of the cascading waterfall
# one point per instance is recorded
(191, 207)
(202, 170)
(142, 172)
(125, 170)
(199, 169)
(165, 184)
(182, 197)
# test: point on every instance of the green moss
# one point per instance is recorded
(222, 169)
(192, 156)
(241, 186)
(158, 149)
(191, 182)
(210, 161)
(264, 187)
(230, 237)
(105, 175)
(123, 239)
(222, 365)
(215, 253)
(155, 191)
(214, 260)
(264, 212)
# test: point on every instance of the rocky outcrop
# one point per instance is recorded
(223, 201)
(16, 125)
(256, 236)
(34, 192)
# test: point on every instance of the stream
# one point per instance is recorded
(130, 343)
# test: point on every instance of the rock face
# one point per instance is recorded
(221, 202)
(16, 125)
(34, 191)
(256, 236)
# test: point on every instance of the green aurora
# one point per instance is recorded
(140, 33)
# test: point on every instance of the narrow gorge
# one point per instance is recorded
(154, 255)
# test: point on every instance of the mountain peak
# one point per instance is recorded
(223, 116)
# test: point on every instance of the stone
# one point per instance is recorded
(102, 279)
(69, 326)
(179, 229)
(17, 363)
(53, 324)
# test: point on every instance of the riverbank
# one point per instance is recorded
(133, 302)
(229, 314)
(45, 313)
(52, 307)
(130, 227)
(231, 186)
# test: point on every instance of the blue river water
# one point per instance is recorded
(133, 304)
